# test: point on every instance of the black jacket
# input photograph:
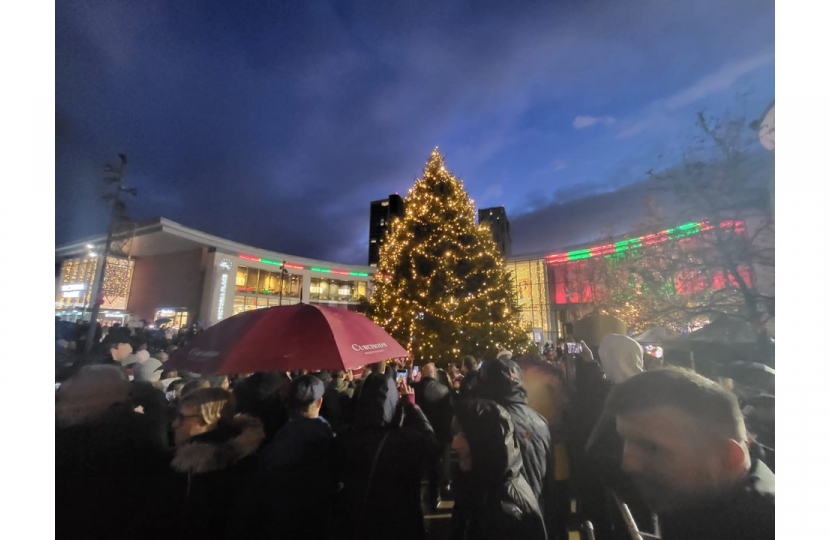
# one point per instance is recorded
(501, 381)
(337, 401)
(260, 396)
(467, 389)
(110, 475)
(496, 502)
(215, 468)
(436, 401)
(747, 511)
(386, 502)
(296, 482)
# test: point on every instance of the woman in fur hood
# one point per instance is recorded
(214, 450)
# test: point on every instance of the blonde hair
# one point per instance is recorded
(214, 405)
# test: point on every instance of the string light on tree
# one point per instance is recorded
(444, 288)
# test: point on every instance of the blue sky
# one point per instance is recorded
(276, 123)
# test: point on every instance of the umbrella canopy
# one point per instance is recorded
(287, 338)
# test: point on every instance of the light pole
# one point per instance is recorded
(112, 176)
(283, 272)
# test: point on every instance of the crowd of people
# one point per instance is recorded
(143, 451)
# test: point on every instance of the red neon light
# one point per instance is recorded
(647, 240)
(258, 259)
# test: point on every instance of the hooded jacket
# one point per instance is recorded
(381, 459)
(214, 469)
(501, 381)
(621, 357)
(499, 503)
(436, 401)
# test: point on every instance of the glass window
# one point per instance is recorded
(268, 282)
(251, 281)
(238, 304)
(296, 286)
(315, 288)
(241, 277)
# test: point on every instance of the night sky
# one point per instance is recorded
(276, 123)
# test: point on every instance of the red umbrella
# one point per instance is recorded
(287, 338)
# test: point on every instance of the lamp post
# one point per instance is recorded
(283, 272)
(112, 176)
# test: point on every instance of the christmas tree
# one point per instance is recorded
(441, 289)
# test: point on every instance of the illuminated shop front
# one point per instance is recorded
(530, 285)
(566, 289)
(76, 281)
(178, 317)
(191, 277)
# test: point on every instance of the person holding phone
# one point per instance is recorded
(381, 460)
(436, 401)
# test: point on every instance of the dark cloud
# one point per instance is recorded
(276, 123)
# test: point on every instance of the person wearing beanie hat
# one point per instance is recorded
(296, 480)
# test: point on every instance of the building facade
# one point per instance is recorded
(189, 276)
(496, 218)
(557, 288)
(381, 214)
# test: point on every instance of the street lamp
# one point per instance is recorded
(283, 273)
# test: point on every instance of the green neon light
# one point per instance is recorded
(324, 270)
(578, 252)
(266, 261)
(358, 274)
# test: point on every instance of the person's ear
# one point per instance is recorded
(320, 402)
(736, 457)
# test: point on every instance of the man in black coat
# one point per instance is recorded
(436, 401)
(296, 469)
(500, 380)
(496, 501)
(685, 448)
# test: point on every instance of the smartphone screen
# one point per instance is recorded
(415, 370)
(574, 348)
(400, 376)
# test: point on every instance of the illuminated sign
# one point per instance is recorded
(72, 294)
(225, 266)
(223, 289)
(72, 287)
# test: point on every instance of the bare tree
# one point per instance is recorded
(723, 261)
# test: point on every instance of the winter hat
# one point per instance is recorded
(621, 357)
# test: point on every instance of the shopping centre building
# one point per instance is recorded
(162, 269)
(552, 289)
